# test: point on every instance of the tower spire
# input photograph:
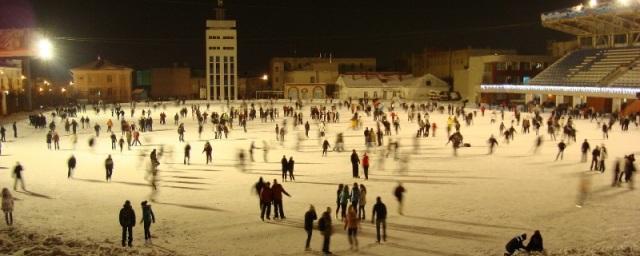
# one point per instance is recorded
(220, 10)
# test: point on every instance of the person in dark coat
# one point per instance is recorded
(127, 222)
(561, 147)
(187, 154)
(266, 196)
(355, 161)
(290, 167)
(515, 244)
(108, 165)
(535, 243)
(325, 226)
(17, 175)
(285, 166)
(277, 190)
(380, 211)
(399, 194)
(147, 218)
(71, 163)
(309, 217)
(15, 130)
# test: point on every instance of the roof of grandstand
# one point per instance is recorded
(596, 18)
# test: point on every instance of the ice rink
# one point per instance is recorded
(472, 204)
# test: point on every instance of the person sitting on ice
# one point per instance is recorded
(535, 243)
(515, 244)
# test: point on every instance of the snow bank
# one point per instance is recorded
(18, 243)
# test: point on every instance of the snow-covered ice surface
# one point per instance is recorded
(466, 205)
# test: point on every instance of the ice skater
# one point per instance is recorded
(492, 144)
(561, 147)
(7, 206)
(108, 165)
(147, 218)
(355, 161)
(187, 154)
(309, 217)
(208, 150)
(127, 222)
(17, 176)
(351, 225)
(399, 194)
(71, 164)
(379, 216)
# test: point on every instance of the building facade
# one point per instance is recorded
(100, 80)
(284, 70)
(497, 69)
(172, 82)
(221, 57)
(443, 63)
(388, 86)
(11, 81)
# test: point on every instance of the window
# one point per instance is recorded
(526, 66)
(366, 95)
(109, 79)
(318, 93)
(312, 79)
(428, 83)
(375, 94)
(232, 67)
(227, 37)
(500, 66)
(228, 48)
(210, 58)
(232, 80)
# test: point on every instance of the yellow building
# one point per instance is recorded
(294, 70)
(444, 63)
(10, 86)
(101, 80)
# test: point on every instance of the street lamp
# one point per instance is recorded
(265, 77)
(44, 49)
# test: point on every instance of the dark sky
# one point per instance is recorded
(156, 33)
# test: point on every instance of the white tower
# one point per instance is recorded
(222, 57)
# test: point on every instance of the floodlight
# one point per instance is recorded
(593, 3)
(44, 49)
(624, 2)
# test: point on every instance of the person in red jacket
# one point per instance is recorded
(365, 166)
(266, 196)
(277, 190)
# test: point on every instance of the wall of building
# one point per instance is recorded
(172, 83)
(105, 85)
(305, 91)
(327, 68)
(10, 87)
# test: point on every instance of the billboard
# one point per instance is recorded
(16, 42)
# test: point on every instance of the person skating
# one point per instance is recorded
(365, 166)
(595, 155)
(605, 131)
(7, 206)
(561, 147)
(121, 144)
(113, 141)
(290, 167)
(399, 194)
(379, 216)
(355, 161)
(208, 151)
(338, 193)
(306, 129)
(187, 154)
(309, 217)
(15, 130)
(325, 226)
(344, 200)
(277, 190)
(492, 144)
(351, 225)
(535, 243)
(585, 150)
(97, 129)
(71, 164)
(362, 202)
(266, 197)
(515, 244)
(603, 157)
(127, 222)
(17, 175)
(3, 133)
(147, 218)
(325, 147)
(285, 166)
(49, 138)
(108, 165)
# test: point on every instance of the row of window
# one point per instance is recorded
(91, 79)
(223, 37)
(222, 80)
(227, 68)
(211, 48)
(513, 65)
(385, 94)
(224, 58)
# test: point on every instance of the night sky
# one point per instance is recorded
(158, 33)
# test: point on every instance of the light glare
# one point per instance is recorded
(45, 49)
(593, 3)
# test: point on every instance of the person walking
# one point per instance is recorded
(603, 157)
(355, 161)
(127, 222)
(595, 155)
(561, 147)
(290, 167)
(108, 165)
(15, 130)
(325, 226)
(399, 194)
(351, 225)
(362, 202)
(2, 133)
(277, 190)
(380, 211)
(71, 164)
(309, 217)
(17, 175)
(266, 197)
(121, 144)
(7, 206)
(365, 165)
(338, 193)
(492, 144)
(114, 140)
(56, 141)
(49, 138)
(285, 166)
(187, 154)
(147, 218)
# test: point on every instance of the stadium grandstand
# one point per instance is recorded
(603, 73)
